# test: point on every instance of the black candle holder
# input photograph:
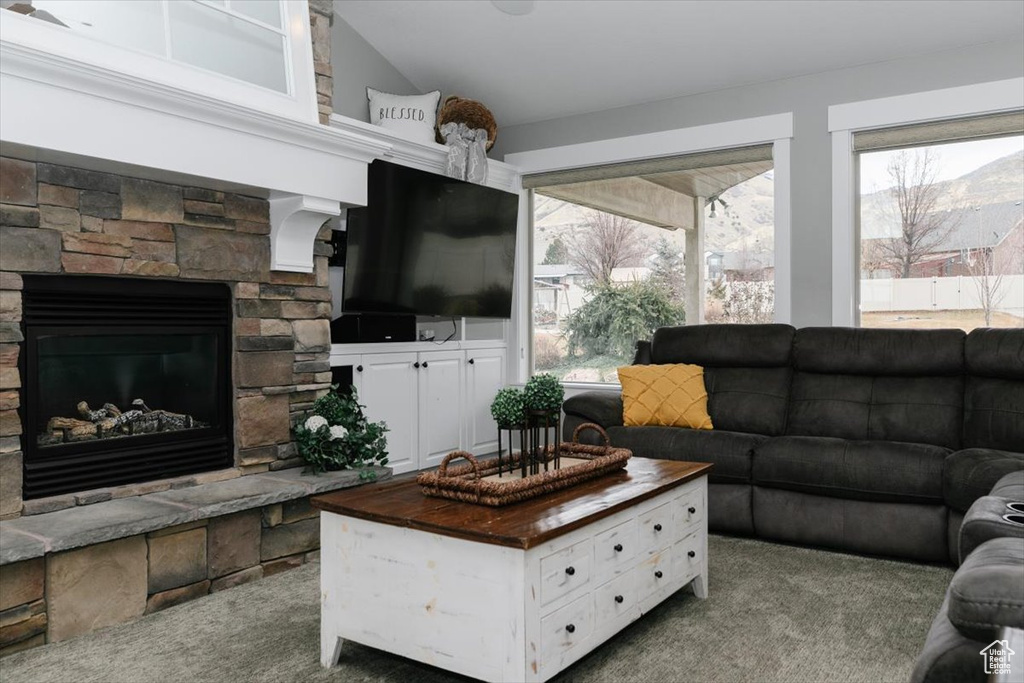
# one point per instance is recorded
(510, 431)
(543, 429)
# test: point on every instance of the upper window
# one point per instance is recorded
(251, 51)
(941, 231)
(620, 251)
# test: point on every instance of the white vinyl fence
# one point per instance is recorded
(957, 293)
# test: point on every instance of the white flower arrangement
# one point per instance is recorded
(315, 423)
(338, 432)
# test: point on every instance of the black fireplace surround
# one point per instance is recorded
(125, 381)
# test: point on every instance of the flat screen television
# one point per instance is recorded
(426, 244)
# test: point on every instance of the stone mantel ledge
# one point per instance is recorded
(25, 538)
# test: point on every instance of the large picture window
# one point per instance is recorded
(941, 228)
(620, 251)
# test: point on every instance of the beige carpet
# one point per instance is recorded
(776, 613)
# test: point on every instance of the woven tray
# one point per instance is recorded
(478, 483)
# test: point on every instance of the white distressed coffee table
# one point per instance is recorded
(515, 593)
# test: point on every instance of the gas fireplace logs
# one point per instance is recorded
(109, 422)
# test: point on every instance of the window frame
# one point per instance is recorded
(775, 129)
(298, 102)
(844, 120)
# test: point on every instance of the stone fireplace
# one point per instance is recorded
(191, 267)
(124, 381)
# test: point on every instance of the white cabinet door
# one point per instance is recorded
(485, 375)
(386, 383)
(441, 380)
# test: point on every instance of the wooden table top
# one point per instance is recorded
(400, 502)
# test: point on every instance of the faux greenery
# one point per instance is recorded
(616, 316)
(508, 407)
(337, 436)
(543, 392)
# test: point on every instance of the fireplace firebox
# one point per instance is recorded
(124, 381)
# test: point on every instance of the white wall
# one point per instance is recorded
(808, 97)
(356, 65)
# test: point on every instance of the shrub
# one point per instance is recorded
(615, 317)
(337, 436)
(546, 352)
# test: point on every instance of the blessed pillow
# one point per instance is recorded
(411, 115)
(665, 395)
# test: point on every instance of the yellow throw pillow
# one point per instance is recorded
(664, 395)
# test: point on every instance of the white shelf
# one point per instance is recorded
(338, 350)
(427, 156)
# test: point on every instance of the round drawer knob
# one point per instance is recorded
(657, 527)
(692, 554)
(569, 628)
(693, 511)
(658, 574)
(570, 570)
(618, 599)
(618, 547)
(359, 368)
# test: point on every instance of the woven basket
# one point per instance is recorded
(470, 112)
(466, 482)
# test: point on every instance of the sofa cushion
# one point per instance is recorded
(746, 371)
(991, 352)
(994, 413)
(666, 395)
(971, 473)
(881, 471)
(987, 592)
(729, 451)
(885, 385)
(602, 407)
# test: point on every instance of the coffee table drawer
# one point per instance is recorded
(655, 573)
(565, 628)
(689, 556)
(614, 550)
(565, 571)
(615, 599)
(657, 529)
(690, 510)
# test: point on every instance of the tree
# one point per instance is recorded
(604, 242)
(989, 267)
(556, 254)
(667, 271)
(921, 228)
(615, 317)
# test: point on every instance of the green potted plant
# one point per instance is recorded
(508, 408)
(543, 394)
(337, 436)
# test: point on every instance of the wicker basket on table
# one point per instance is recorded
(467, 482)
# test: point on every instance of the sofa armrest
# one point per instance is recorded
(1011, 486)
(983, 522)
(987, 592)
(601, 407)
(971, 473)
(642, 354)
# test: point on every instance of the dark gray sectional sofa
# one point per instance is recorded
(871, 441)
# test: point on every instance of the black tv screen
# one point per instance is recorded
(427, 244)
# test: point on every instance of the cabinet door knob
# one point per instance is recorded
(618, 547)
(424, 363)
(472, 360)
(417, 365)
(657, 527)
(693, 511)
(691, 554)
(658, 574)
(359, 368)
(570, 570)
(569, 628)
(618, 599)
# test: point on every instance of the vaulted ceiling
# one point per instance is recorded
(572, 56)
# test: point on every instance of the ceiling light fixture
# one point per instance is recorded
(516, 8)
